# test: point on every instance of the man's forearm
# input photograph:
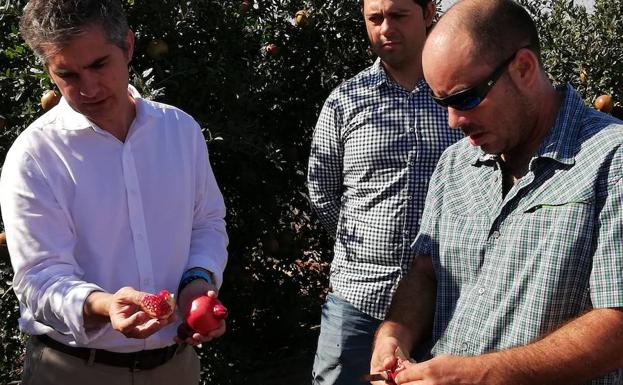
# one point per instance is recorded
(413, 304)
(585, 348)
(96, 308)
(410, 317)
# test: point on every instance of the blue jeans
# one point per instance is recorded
(344, 345)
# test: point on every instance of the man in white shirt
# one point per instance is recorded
(105, 198)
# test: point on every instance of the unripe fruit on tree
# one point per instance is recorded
(582, 75)
(604, 103)
(157, 49)
(205, 314)
(245, 6)
(301, 19)
(49, 99)
(4, 252)
(272, 49)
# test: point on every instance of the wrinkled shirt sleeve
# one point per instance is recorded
(325, 176)
(208, 244)
(606, 280)
(41, 240)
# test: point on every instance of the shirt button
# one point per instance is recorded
(481, 291)
(147, 281)
(132, 191)
(139, 237)
(410, 162)
(495, 234)
(464, 346)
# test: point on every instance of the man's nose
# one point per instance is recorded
(456, 118)
(89, 86)
(386, 26)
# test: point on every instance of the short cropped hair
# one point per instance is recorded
(498, 28)
(49, 25)
(421, 3)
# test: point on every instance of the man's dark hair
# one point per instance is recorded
(48, 25)
(421, 3)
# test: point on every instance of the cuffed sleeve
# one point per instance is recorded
(208, 245)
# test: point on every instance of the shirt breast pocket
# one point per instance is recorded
(576, 216)
(561, 232)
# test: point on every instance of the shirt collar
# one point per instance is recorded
(73, 120)
(561, 142)
(379, 77)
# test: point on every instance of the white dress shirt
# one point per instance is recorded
(84, 211)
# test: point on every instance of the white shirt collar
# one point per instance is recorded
(73, 120)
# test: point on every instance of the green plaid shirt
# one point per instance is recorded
(513, 268)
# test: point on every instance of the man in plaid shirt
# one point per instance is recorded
(375, 146)
(519, 267)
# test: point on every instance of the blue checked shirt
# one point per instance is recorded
(374, 149)
(512, 268)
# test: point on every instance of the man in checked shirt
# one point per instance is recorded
(376, 143)
(519, 267)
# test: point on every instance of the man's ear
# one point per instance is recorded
(129, 42)
(429, 13)
(525, 68)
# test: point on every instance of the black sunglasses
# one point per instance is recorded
(471, 97)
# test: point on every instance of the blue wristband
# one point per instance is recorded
(191, 275)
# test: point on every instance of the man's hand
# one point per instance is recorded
(445, 370)
(193, 290)
(383, 357)
(127, 317)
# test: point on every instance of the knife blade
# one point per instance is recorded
(374, 377)
(382, 376)
(401, 356)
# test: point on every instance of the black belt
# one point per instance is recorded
(141, 360)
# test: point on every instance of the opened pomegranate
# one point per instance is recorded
(159, 305)
(206, 314)
(393, 373)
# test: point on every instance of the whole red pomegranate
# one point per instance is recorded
(205, 314)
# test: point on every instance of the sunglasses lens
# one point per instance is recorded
(467, 103)
(462, 102)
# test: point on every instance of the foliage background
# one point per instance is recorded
(258, 112)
